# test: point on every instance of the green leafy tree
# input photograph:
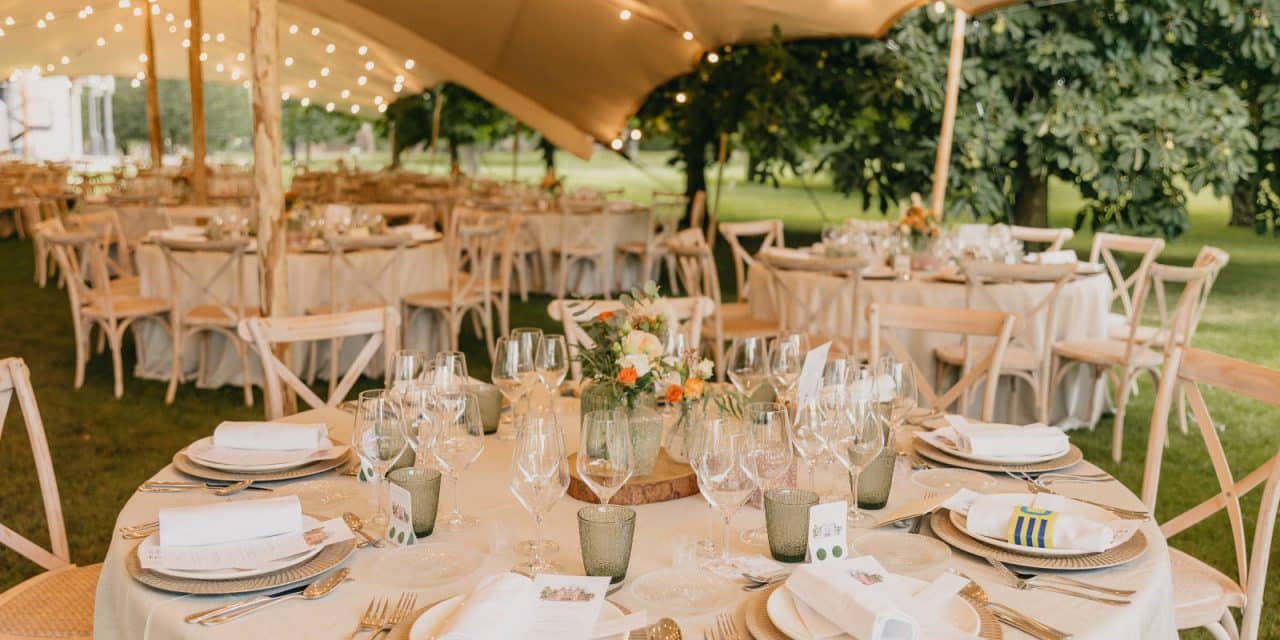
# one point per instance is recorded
(312, 124)
(465, 119)
(228, 115)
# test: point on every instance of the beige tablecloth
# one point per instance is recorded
(1081, 313)
(423, 269)
(126, 610)
(617, 228)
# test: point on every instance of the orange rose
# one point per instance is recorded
(604, 315)
(693, 387)
(628, 376)
(675, 393)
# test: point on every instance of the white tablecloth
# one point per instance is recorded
(423, 269)
(617, 228)
(1081, 313)
(126, 610)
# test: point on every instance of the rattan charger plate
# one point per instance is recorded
(949, 533)
(196, 470)
(1069, 459)
(328, 558)
(756, 612)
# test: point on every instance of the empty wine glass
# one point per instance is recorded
(407, 366)
(748, 364)
(605, 457)
(808, 436)
(903, 376)
(528, 338)
(451, 363)
(855, 442)
(767, 454)
(454, 445)
(511, 371)
(379, 440)
(723, 479)
(786, 358)
(552, 360)
(416, 414)
(539, 479)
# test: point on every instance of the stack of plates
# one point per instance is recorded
(952, 528)
(431, 623)
(203, 460)
(940, 449)
(780, 620)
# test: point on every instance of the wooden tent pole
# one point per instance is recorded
(153, 91)
(515, 151)
(942, 164)
(199, 181)
(268, 177)
(721, 158)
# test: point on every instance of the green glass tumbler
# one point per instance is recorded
(605, 534)
(423, 486)
(876, 481)
(786, 518)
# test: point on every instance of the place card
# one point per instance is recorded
(247, 553)
(827, 539)
(567, 607)
(811, 374)
(400, 529)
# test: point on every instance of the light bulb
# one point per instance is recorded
(118, 27)
(408, 64)
(713, 57)
(330, 48)
(616, 145)
(102, 42)
(284, 95)
(682, 98)
(355, 108)
(306, 102)
(688, 35)
(382, 108)
(346, 93)
(311, 84)
(293, 29)
(324, 72)
(288, 62)
(368, 66)
(315, 31)
(65, 60)
(362, 50)
(624, 15)
(635, 134)
(362, 80)
(329, 107)
(219, 67)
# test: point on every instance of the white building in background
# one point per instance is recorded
(45, 118)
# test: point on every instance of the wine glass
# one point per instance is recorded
(528, 338)
(722, 478)
(511, 370)
(855, 442)
(552, 360)
(539, 478)
(903, 376)
(748, 364)
(605, 458)
(451, 363)
(808, 436)
(417, 403)
(406, 367)
(767, 455)
(379, 440)
(454, 445)
(786, 358)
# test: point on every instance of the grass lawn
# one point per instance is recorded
(103, 447)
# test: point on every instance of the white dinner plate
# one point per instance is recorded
(427, 626)
(782, 612)
(308, 522)
(1079, 508)
(946, 445)
(204, 453)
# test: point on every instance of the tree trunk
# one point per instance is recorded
(1031, 198)
(694, 158)
(1244, 204)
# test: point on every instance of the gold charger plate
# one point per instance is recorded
(1069, 459)
(948, 532)
(196, 470)
(761, 627)
(328, 558)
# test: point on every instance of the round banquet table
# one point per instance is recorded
(620, 225)
(1080, 313)
(423, 269)
(126, 609)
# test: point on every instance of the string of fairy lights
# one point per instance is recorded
(318, 65)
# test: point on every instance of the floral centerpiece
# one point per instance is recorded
(920, 226)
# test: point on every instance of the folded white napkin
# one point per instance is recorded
(271, 436)
(1005, 440)
(499, 608)
(1065, 256)
(1070, 526)
(229, 521)
(859, 597)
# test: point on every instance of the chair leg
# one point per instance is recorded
(175, 367)
(117, 362)
(522, 277)
(242, 350)
(672, 283)
(1218, 631)
(82, 357)
(1182, 411)
(1122, 400)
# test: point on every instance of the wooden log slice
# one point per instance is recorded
(669, 480)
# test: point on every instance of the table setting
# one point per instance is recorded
(854, 548)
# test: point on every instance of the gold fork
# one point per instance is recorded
(371, 619)
(726, 627)
(403, 608)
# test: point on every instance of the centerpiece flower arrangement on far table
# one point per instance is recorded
(626, 370)
(920, 226)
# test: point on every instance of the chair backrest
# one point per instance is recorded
(582, 224)
(82, 260)
(813, 315)
(106, 223)
(768, 231)
(474, 245)
(664, 219)
(1106, 246)
(1214, 260)
(1035, 319)
(1185, 370)
(968, 322)
(690, 312)
(1176, 326)
(380, 325)
(375, 279)
(1053, 238)
(15, 380)
(225, 287)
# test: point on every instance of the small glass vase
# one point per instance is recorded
(643, 420)
(690, 419)
(923, 254)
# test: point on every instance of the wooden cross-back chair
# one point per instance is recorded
(665, 214)
(380, 325)
(218, 304)
(690, 312)
(1215, 260)
(1126, 360)
(770, 234)
(582, 226)
(812, 315)
(1053, 239)
(985, 366)
(1203, 595)
(106, 224)
(1104, 250)
(57, 603)
(471, 249)
(696, 266)
(45, 263)
(1028, 356)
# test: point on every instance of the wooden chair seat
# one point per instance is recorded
(1015, 358)
(128, 307)
(54, 604)
(439, 299)
(1201, 594)
(1104, 353)
(1154, 336)
(212, 315)
(579, 250)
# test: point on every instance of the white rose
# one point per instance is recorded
(705, 369)
(638, 361)
(643, 343)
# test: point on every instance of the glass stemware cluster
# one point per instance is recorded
(522, 359)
